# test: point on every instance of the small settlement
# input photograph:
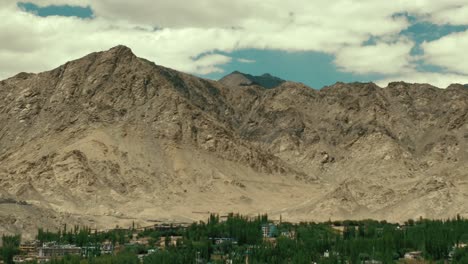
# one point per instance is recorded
(163, 238)
(46, 251)
(35, 251)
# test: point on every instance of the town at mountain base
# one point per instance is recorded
(111, 139)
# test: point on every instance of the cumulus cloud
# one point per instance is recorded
(173, 33)
(207, 63)
(448, 52)
(384, 58)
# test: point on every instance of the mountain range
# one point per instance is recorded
(110, 139)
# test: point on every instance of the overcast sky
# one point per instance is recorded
(317, 42)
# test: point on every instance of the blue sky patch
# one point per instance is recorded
(425, 31)
(314, 69)
(55, 10)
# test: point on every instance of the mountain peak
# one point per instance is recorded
(120, 49)
(237, 78)
(116, 53)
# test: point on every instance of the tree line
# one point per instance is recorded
(241, 238)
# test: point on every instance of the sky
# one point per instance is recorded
(316, 42)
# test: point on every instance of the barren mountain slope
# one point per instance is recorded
(111, 138)
(112, 135)
(381, 149)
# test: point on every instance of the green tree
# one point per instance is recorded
(10, 247)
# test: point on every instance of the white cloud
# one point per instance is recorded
(448, 52)
(207, 63)
(243, 60)
(384, 58)
(455, 15)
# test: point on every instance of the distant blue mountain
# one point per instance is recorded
(237, 78)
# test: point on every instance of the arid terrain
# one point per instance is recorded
(111, 138)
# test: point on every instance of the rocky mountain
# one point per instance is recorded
(111, 138)
(237, 78)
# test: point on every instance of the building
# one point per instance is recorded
(221, 240)
(58, 251)
(170, 241)
(289, 234)
(107, 248)
(461, 245)
(269, 230)
(270, 240)
(90, 250)
(372, 261)
(23, 259)
(29, 248)
(338, 228)
(166, 227)
(413, 255)
(140, 241)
